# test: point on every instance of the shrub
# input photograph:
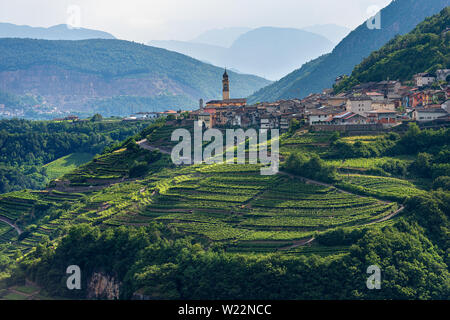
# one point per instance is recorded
(442, 182)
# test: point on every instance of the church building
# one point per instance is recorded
(226, 101)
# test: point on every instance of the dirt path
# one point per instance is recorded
(145, 145)
(389, 216)
(298, 243)
(11, 224)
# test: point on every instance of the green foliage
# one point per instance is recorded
(96, 117)
(294, 125)
(65, 164)
(213, 216)
(399, 17)
(340, 236)
(26, 146)
(118, 59)
(314, 167)
(425, 49)
(442, 182)
(178, 269)
(432, 211)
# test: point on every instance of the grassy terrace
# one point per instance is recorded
(6, 232)
(66, 164)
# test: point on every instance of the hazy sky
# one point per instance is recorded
(144, 20)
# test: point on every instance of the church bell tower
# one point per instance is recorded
(225, 86)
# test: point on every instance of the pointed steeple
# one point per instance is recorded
(225, 86)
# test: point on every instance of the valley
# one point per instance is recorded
(131, 172)
(227, 207)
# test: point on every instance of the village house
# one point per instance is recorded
(269, 122)
(428, 114)
(424, 79)
(383, 105)
(384, 116)
(348, 117)
(375, 96)
(359, 104)
(337, 101)
(206, 118)
(316, 116)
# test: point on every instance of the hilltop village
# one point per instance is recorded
(372, 106)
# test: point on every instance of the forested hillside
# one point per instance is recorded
(398, 18)
(425, 49)
(99, 75)
(26, 146)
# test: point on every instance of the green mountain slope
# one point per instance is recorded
(170, 232)
(83, 75)
(398, 18)
(425, 49)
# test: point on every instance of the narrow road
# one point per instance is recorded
(11, 224)
(298, 243)
(145, 145)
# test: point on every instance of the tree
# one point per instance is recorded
(97, 117)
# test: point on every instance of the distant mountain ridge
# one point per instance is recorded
(332, 32)
(267, 51)
(58, 32)
(220, 37)
(399, 17)
(112, 77)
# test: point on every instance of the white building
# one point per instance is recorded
(424, 79)
(316, 116)
(428, 114)
(360, 105)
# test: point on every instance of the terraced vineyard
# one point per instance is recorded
(105, 169)
(6, 232)
(232, 206)
(387, 187)
(237, 207)
(305, 142)
(367, 163)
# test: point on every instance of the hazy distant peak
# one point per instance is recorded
(221, 37)
(333, 32)
(57, 32)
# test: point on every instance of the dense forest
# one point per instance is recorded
(425, 49)
(26, 146)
